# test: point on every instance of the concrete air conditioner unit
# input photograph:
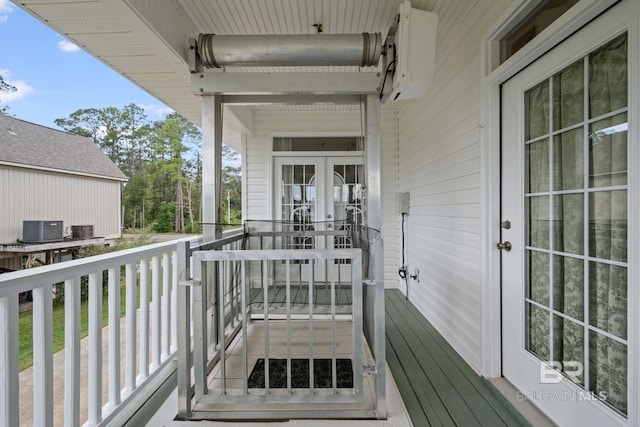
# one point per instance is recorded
(41, 231)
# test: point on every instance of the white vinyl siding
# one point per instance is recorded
(439, 164)
(257, 164)
(38, 195)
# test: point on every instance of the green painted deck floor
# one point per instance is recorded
(437, 386)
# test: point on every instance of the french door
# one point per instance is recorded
(565, 197)
(319, 193)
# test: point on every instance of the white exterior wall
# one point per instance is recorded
(439, 164)
(30, 194)
(257, 165)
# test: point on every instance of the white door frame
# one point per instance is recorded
(493, 76)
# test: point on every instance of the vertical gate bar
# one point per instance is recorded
(114, 335)
(326, 263)
(230, 268)
(144, 318)
(42, 356)
(243, 297)
(311, 292)
(265, 297)
(155, 310)
(223, 344)
(334, 342)
(95, 348)
(182, 266)
(166, 306)
(9, 359)
(212, 289)
(356, 286)
(131, 325)
(175, 276)
(380, 351)
(72, 352)
(200, 333)
(288, 302)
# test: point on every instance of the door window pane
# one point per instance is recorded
(608, 225)
(538, 166)
(608, 151)
(568, 160)
(568, 348)
(537, 111)
(298, 188)
(568, 96)
(608, 78)
(538, 222)
(538, 272)
(608, 298)
(538, 331)
(568, 286)
(608, 370)
(568, 223)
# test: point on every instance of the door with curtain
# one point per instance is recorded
(319, 193)
(565, 198)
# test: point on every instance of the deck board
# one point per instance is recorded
(448, 391)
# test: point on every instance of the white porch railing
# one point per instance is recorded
(150, 333)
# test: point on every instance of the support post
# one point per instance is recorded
(373, 166)
(212, 166)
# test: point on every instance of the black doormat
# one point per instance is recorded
(300, 373)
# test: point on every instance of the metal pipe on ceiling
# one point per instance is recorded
(362, 50)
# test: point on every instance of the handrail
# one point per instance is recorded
(150, 329)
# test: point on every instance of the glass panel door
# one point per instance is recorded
(576, 198)
(566, 193)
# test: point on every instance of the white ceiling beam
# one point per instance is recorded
(240, 117)
(330, 83)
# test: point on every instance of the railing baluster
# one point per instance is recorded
(42, 356)
(265, 297)
(334, 340)
(95, 348)
(10, 402)
(223, 343)
(166, 306)
(174, 301)
(114, 336)
(156, 319)
(72, 352)
(144, 318)
(311, 292)
(243, 297)
(131, 326)
(356, 283)
(288, 301)
(184, 327)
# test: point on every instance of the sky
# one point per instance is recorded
(54, 77)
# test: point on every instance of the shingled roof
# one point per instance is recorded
(32, 145)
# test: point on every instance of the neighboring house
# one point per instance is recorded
(51, 175)
(521, 161)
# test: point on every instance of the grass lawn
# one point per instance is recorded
(25, 324)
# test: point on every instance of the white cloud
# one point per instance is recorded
(5, 10)
(156, 111)
(67, 46)
(22, 88)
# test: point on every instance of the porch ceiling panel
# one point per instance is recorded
(146, 40)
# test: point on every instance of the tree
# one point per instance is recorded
(5, 88)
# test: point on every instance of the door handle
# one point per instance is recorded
(506, 246)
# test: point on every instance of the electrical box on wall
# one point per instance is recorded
(415, 51)
(403, 202)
